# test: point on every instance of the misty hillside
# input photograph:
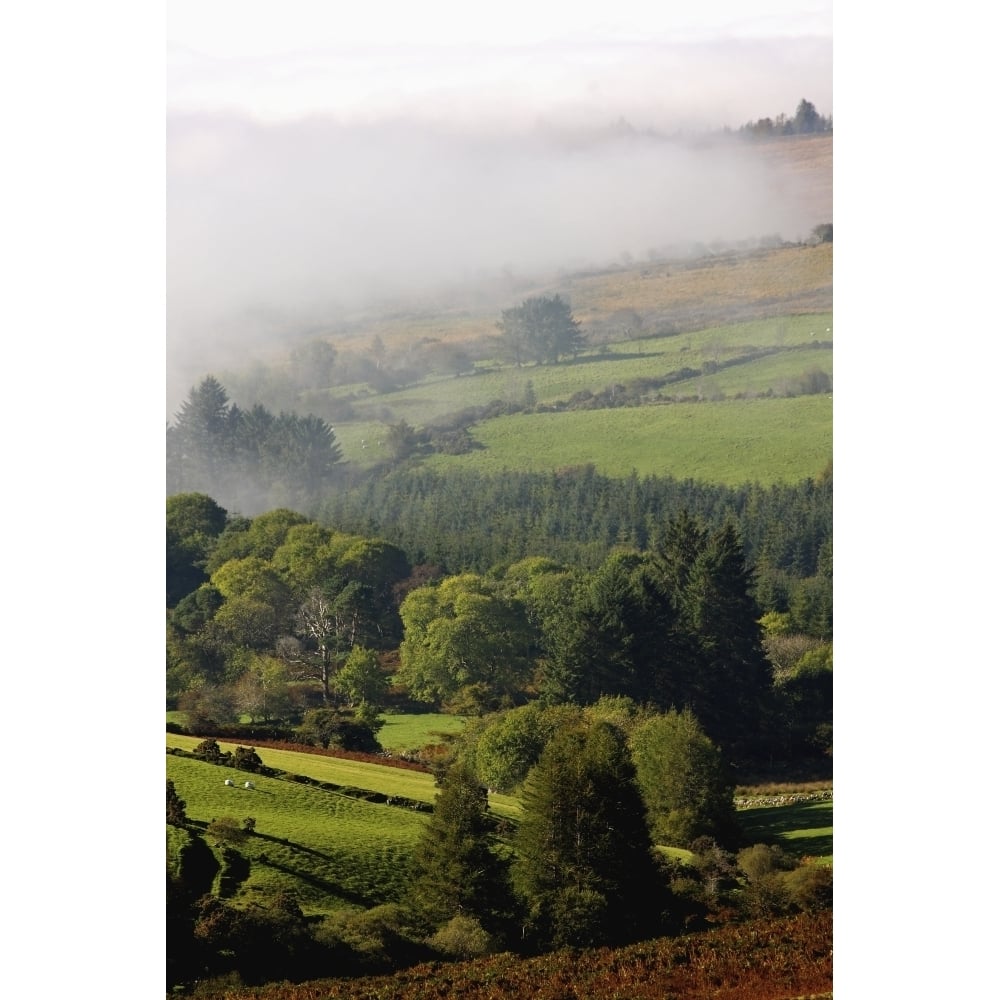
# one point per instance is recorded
(408, 234)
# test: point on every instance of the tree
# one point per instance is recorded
(823, 233)
(401, 439)
(198, 450)
(685, 783)
(326, 725)
(196, 515)
(612, 617)
(256, 606)
(300, 455)
(735, 677)
(321, 725)
(361, 679)
(194, 523)
(511, 743)
(465, 634)
(332, 624)
(306, 558)
(192, 612)
(710, 653)
(377, 566)
(807, 118)
(261, 691)
(540, 329)
(312, 364)
(585, 870)
(455, 869)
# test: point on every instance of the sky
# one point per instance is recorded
(445, 59)
(317, 163)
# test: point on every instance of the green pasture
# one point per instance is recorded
(440, 395)
(804, 828)
(728, 442)
(394, 781)
(339, 771)
(414, 731)
(331, 850)
(778, 373)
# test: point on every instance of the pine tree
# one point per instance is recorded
(456, 870)
(735, 678)
(199, 449)
(585, 869)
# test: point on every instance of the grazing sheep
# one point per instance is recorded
(248, 784)
(229, 782)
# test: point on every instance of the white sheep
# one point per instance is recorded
(248, 784)
(229, 782)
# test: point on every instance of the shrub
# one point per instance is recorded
(246, 759)
(811, 887)
(767, 892)
(210, 750)
(380, 939)
(175, 806)
(463, 937)
(226, 830)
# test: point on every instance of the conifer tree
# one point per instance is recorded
(735, 677)
(456, 870)
(585, 869)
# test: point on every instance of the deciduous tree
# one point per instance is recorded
(540, 329)
(686, 785)
(464, 633)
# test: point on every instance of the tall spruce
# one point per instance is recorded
(456, 869)
(585, 871)
(199, 446)
(735, 678)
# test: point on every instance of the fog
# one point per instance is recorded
(289, 216)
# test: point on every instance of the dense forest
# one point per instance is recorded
(576, 516)
(256, 603)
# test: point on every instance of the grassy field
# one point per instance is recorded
(358, 774)
(411, 732)
(710, 289)
(730, 442)
(804, 829)
(718, 439)
(395, 781)
(619, 362)
(333, 851)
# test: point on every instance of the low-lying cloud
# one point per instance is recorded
(284, 222)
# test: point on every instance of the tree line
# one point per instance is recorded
(256, 604)
(806, 121)
(249, 458)
(466, 520)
